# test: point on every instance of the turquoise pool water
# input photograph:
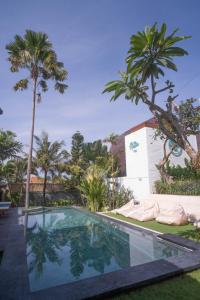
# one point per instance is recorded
(66, 245)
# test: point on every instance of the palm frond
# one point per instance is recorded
(21, 85)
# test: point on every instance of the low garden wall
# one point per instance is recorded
(56, 194)
(36, 198)
(37, 187)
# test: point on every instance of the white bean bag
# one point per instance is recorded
(125, 208)
(173, 216)
(146, 212)
(142, 215)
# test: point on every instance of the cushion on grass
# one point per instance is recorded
(142, 215)
(125, 207)
(173, 216)
(144, 212)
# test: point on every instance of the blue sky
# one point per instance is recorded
(91, 37)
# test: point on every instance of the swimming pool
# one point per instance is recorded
(67, 245)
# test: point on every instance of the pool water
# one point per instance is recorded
(66, 245)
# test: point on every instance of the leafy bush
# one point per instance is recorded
(116, 197)
(93, 187)
(181, 173)
(60, 202)
(179, 187)
(15, 198)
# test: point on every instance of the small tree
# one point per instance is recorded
(34, 53)
(94, 151)
(189, 117)
(14, 172)
(48, 156)
(150, 53)
(93, 187)
(9, 146)
(77, 147)
(76, 165)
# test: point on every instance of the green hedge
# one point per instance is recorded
(179, 187)
(60, 202)
(183, 173)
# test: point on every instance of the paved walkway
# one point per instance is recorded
(13, 269)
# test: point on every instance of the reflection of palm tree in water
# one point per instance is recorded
(93, 246)
(90, 245)
(85, 252)
(41, 246)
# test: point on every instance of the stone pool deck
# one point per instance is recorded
(13, 269)
(14, 282)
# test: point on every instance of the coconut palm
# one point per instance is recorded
(48, 156)
(9, 146)
(94, 151)
(34, 53)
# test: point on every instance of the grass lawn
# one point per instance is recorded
(184, 287)
(187, 231)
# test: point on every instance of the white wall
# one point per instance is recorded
(138, 185)
(137, 159)
(142, 154)
(137, 163)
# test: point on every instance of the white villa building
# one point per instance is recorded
(138, 153)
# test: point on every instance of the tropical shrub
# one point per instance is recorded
(60, 202)
(15, 198)
(93, 188)
(117, 197)
(181, 173)
(178, 187)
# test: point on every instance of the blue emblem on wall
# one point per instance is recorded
(177, 150)
(134, 146)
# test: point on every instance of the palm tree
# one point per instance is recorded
(94, 151)
(112, 140)
(48, 156)
(9, 146)
(34, 53)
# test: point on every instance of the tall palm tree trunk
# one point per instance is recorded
(44, 187)
(31, 146)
